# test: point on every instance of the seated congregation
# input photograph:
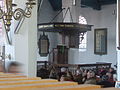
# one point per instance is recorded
(106, 77)
(53, 78)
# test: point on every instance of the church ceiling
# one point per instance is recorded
(95, 4)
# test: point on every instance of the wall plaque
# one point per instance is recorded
(100, 41)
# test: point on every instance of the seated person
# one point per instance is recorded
(102, 72)
(111, 70)
(91, 79)
(63, 72)
(14, 67)
(65, 78)
(105, 81)
(43, 73)
(53, 73)
(110, 75)
(84, 75)
(78, 77)
(69, 76)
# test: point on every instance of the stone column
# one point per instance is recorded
(26, 43)
(118, 41)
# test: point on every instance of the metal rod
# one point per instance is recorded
(19, 25)
(68, 9)
(57, 14)
(39, 7)
(70, 15)
(65, 14)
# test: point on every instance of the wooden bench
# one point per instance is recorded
(27, 82)
(38, 85)
(9, 75)
(19, 79)
(35, 83)
(12, 76)
(72, 87)
(112, 88)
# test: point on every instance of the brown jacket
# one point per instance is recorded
(90, 81)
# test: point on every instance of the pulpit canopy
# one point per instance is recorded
(64, 27)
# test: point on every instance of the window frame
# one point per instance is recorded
(83, 21)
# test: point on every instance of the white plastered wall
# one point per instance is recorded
(105, 18)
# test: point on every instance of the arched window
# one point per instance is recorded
(83, 36)
(82, 20)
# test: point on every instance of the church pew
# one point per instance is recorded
(74, 87)
(27, 82)
(12, 76)
(19, 79)
(9, 75)
(71, 87)
(40, 85)
(111, 88)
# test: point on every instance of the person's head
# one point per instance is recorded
(109, 74)
(84, 74)
(63, 78)
(63, 69)
(14, 67)
(69, 74)
(78, 72)
(90, 74)
(111, 70)
(105, 78)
